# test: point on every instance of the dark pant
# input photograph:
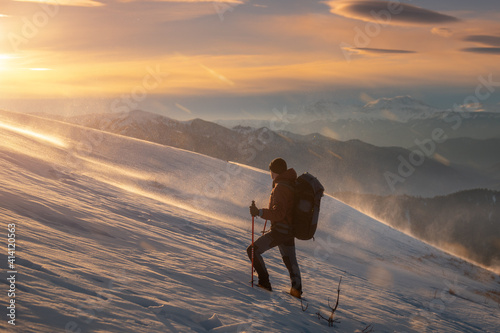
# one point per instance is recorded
(286, 245)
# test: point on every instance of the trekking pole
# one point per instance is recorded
(264, 230)
(253, 224)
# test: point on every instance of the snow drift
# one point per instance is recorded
(119, 235)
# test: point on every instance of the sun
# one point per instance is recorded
(4, 61)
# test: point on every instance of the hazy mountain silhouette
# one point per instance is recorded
(465, 222)
(397, 121)
(342, 166)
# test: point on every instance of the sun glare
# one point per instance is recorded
(35, 135)
(4, 60)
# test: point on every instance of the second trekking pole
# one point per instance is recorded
(253, 228)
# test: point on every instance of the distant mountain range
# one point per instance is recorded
(465, 223)
(353, 165)
(397, 121)
(401, 109)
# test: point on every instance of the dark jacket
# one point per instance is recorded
(281, 202)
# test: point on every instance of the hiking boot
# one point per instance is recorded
(265, 285)
(295, 292)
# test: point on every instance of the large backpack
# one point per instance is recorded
(307, 196)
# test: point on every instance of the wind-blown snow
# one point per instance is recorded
(120, 235)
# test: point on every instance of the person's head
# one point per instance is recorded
(277, 167)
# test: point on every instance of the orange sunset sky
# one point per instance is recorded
(212, 59)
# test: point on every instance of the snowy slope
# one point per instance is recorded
(119, 235)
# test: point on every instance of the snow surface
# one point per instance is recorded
(115, 234)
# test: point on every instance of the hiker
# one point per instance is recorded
(280, 215)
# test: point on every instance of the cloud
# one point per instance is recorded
(366, 98)
(490, 44)
(482, 50)
(484, 39)
(215, 2)
(217, 75)
(473, 107)
(76, 3)
(443, 32)
(386, 51)
(254, 51)
(98, 3)
(183, 108)
(384, 12)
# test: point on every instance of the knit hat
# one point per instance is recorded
(278, 165)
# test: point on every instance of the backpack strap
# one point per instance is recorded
(280, 226)
(287, 184)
